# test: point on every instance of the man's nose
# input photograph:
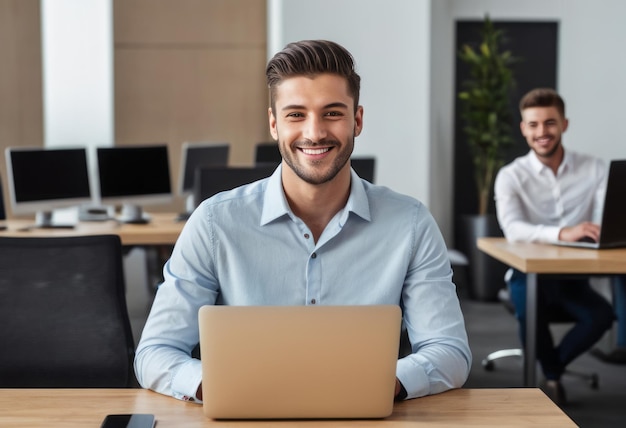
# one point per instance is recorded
(541, 129)
(314, 129)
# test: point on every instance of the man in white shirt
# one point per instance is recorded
(551, 195)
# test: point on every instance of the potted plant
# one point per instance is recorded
(485, 101)
(486, 114)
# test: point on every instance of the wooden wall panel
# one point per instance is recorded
(228, 22)
(191, 70)
(21, 105)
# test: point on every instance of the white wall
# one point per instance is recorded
(77, 49)
(592, 70)
(390, 41)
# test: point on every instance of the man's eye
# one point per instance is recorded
(295, 114)
(334, 113)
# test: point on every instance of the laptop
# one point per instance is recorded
(299, 362)
(613, 230)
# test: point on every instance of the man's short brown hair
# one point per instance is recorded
(311, 58)
(542, 97)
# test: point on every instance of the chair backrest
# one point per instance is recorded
(63, 315)
(267, 153)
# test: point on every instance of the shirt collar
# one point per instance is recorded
(538, 166)
(275, 203)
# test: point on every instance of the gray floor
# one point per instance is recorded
(490, 327)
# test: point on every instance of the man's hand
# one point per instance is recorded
(582, 230)
(400, 391)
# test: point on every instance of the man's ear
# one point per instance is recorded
(358, 121)
(565, 124)
(272, 122)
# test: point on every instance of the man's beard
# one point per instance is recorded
(552, 151)
(313, 177)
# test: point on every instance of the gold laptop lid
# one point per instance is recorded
(277, 362)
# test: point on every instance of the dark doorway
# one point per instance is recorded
(535, 44)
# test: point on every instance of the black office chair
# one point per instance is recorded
(63, 315)
(267, 153)
(489, 361)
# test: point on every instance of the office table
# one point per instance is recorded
(85, 408)
(545, 259)
(163, 229)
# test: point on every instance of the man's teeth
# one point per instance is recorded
(315, 151)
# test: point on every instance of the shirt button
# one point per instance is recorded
(313, 301)
(314, 255)
(306, 236)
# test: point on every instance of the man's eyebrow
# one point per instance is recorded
(293, 107)
(337, 104)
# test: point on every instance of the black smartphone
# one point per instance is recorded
(135, 420)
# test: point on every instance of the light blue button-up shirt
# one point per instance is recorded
(246, 247)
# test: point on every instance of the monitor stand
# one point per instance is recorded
(95, 213)
(190, 205)
(44, 220)
(133, 214)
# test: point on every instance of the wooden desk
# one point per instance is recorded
(536, 259)
(67, 408)
(161, 230)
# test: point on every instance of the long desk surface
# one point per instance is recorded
(554, 259)
(162, 229)
(545, 259)
(514, 407)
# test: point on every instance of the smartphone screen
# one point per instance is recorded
(135, 420)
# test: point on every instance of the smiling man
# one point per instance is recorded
(313, 233)
(552, 195)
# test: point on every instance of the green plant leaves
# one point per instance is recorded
(485, 106)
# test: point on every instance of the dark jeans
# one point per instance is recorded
(570, 300)
(619, 296)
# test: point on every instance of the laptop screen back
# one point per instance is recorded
(299, 361)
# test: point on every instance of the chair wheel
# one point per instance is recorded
(594, 382)
(488, 365)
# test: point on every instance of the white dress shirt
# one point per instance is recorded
(533, 204)
(246, 247)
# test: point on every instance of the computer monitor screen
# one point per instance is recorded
(210, 181)
(196, 155)
(364, 167)
(134, 176)
(41, 180)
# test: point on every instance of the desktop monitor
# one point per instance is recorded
(41, 180)
(133, 176)
(3, 214)
(196, 155)
(210, 181)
